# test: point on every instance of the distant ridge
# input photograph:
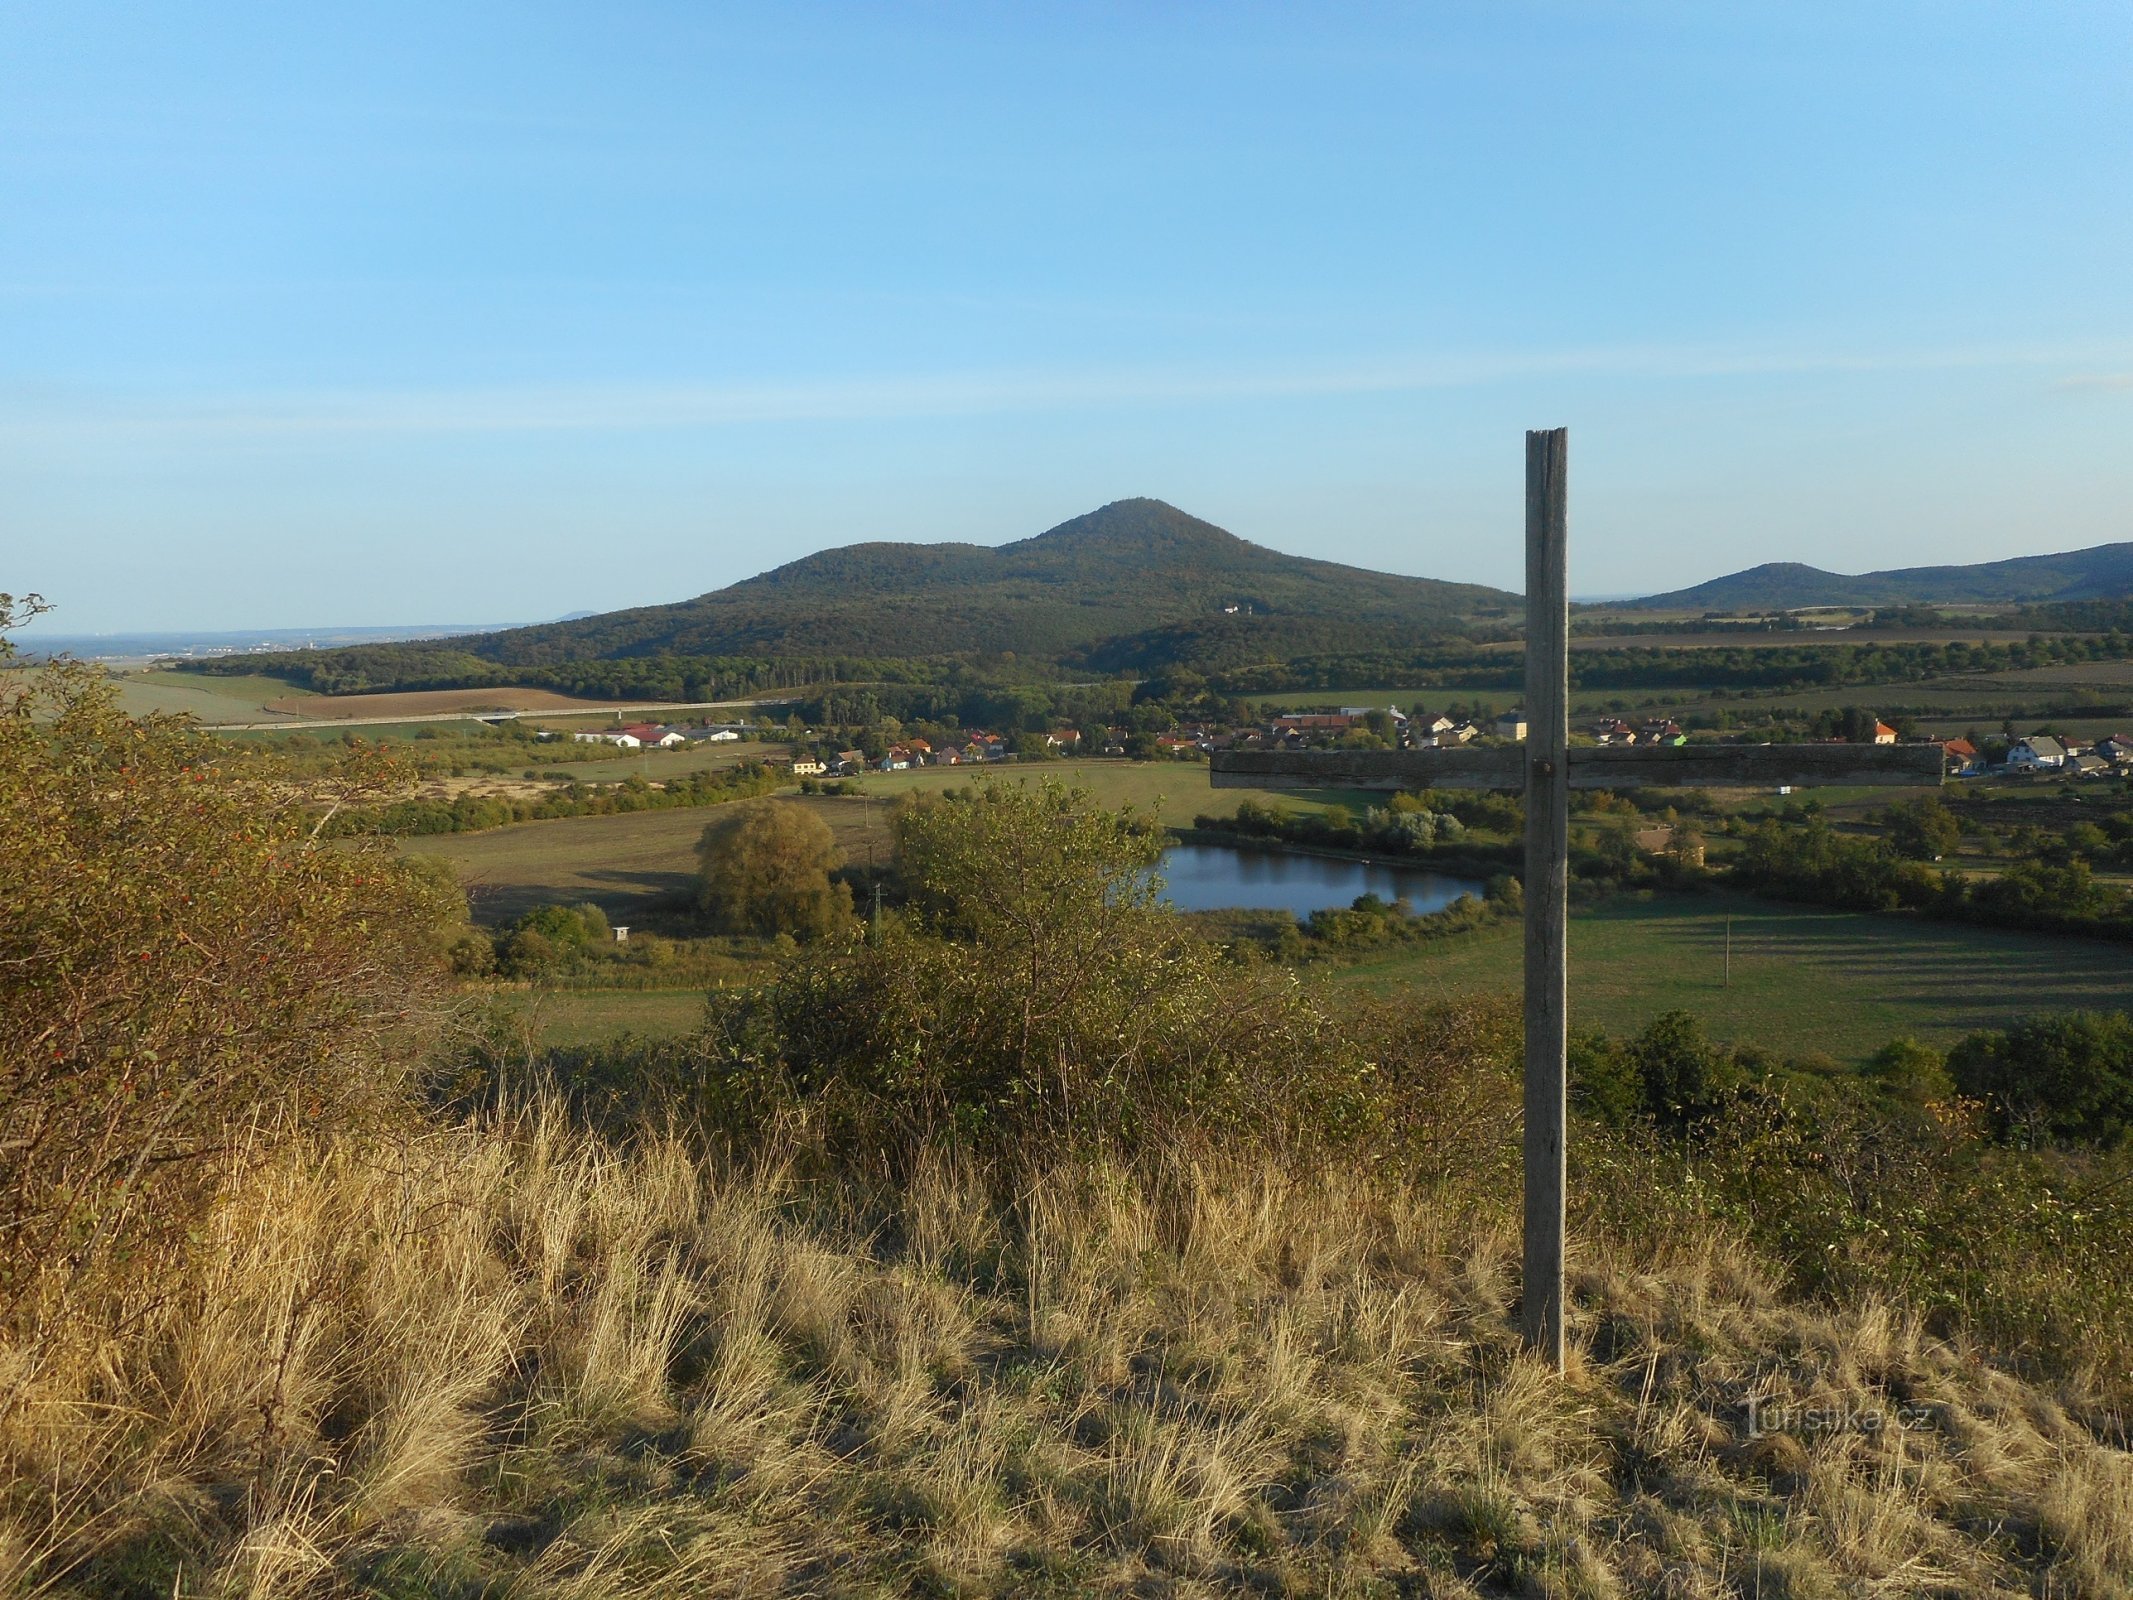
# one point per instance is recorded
(1132, 583)
(2104, 571)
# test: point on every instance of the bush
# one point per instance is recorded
(1909, 1071)
(1686, 1077)
(183, 969)
(2054, 1079)
(1037, 995)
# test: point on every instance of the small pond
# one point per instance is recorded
(1213, 877)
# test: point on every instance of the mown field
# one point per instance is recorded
(212, 700)
(617, 862)
(1803, 979)
(587, 1016)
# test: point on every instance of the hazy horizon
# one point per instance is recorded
(536, 311)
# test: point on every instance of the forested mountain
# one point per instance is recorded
(1135, 585)
(1130, 567)
(2102, 572)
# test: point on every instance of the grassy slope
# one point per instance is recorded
(548, 1368)
(1804, 979)
(215, 699)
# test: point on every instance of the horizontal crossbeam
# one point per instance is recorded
(1608, 766)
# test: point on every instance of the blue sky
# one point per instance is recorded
(438, 312)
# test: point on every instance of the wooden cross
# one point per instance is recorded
(1547, 769)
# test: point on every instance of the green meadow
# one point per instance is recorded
(1803, 979)
(211, 699)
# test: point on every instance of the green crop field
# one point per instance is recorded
(1803, 979)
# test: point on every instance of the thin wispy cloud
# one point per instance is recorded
(2097, 380)
(626, 407)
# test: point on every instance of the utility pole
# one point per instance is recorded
(1547, 885)
(1547, 769)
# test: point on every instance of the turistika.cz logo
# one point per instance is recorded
(1766, 1417)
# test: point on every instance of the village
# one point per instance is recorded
(1365, 727)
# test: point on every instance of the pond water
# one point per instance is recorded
(1212, 877)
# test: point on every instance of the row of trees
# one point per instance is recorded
(2063, 1079)
(1811, 861)
(472, 813)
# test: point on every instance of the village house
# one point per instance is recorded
(1399, 717)
(809, 766)
(848, 762)
(2040, 752)
(651, 735)
(2116, 748)
(1613, 731)
(2088, 764)
(1883, 733)
(1306, 723)
(1511, 725)
(1962, 758)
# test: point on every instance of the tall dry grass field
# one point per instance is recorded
(507, 1357)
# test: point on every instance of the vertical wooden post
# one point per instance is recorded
(1547, 884)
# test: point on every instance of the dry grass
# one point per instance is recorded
(508, 1359)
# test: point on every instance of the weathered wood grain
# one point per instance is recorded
(1547, 886)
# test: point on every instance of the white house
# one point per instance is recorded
(1510, 726)
(2040, 752)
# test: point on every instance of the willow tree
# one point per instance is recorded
(764, 868)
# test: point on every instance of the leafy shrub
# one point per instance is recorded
(2066, 1078)
(1036, 994)
(183, 969)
